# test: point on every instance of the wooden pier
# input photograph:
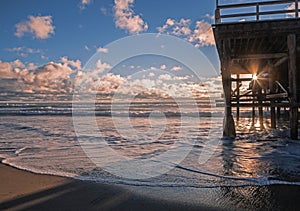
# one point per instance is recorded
(260, 48)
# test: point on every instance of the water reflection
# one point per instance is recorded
(240, 159)
(269, 158)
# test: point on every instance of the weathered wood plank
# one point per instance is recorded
(258, 13)
(261, 56)
(230, 6)
(281, 61)
(229, 126)
(292, 49)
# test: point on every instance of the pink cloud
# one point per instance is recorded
(6, 70)
(126, 19)
(84, 3)
(76, 64)
(24, 51)
(101, 67)
(102, 50)
(163, 67)
(177, 28)
(203, 34)
(200, 35)
(176, 68)
(40, 27)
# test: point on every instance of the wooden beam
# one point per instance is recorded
(241, 79)
(292, 45)
(238, 68)
(257, 14)
(277, 96)
(260, 110)
(296, 8)
(255, 104)
(264, 3)
(238, 85)
(281, 61)
(273, 116)
(261, 56)
(229, 127)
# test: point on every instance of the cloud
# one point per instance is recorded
(105, 11)
(92, 82)
(51, 77)
(18, 64)
(31, 66)
(15, 69)
(177, 28)
(210, 17)
(76, 64)
(176, 68)
(165, 77)
(199, 35)
(84, 3)
(151, 74)
(40, 27)
(6, 70)
(203, 34)
(126, 19)
(102, 50)
(101, 67)
(60, 77)
(44, 57)
(163, 67)
(24, 51)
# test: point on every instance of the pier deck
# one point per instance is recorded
(263, 53)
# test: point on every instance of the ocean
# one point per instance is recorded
(40, 137)
(162, 148)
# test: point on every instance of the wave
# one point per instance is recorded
(262, 181)
(47, 112)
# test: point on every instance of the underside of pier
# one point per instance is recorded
(266, 55)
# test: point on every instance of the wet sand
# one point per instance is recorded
(22, 190)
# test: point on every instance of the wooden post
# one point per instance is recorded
(253, 114)
(292, 49)
(218, 16)
(260, 110)
(257, 12)
(271, 83)
(217, 13)
(296, 8)
(278, 113)
(273, 115)
(238, 98)
(253, 107)
(229, 127)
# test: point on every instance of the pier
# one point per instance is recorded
(259, 49)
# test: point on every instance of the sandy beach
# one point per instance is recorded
(22, 190)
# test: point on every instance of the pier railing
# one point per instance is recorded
(258, 8)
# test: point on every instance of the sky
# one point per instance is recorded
(45, 43)
(77, 28)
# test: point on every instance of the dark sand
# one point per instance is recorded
(22, 190)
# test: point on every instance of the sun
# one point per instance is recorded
(254, 77)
